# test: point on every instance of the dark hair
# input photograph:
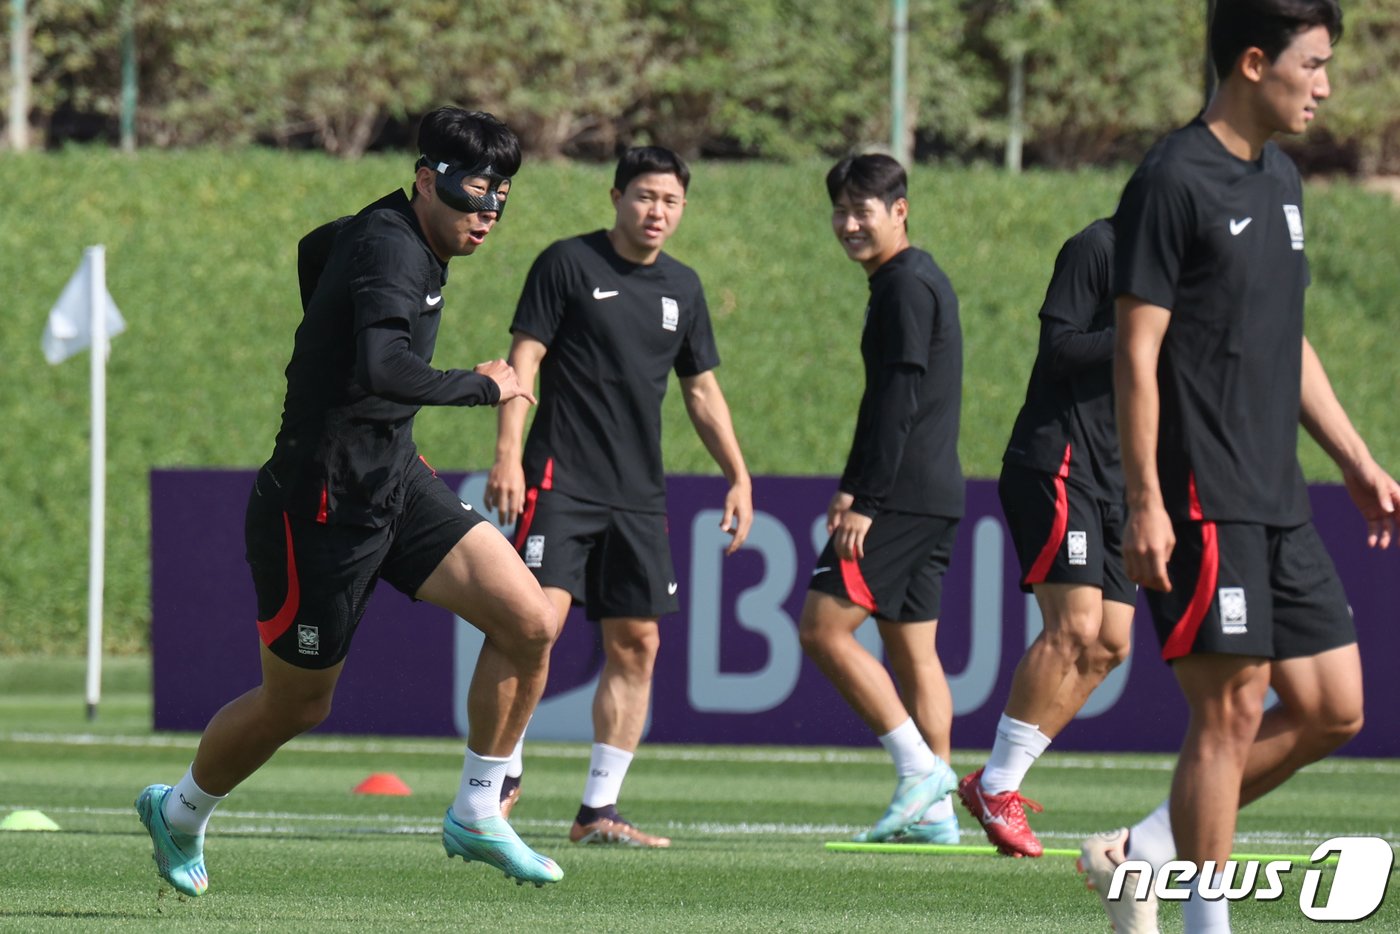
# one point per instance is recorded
(470, 139)
(1267, 25)
(648, 160)
(873, 175)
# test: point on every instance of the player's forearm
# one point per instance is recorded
(878, 449)
(1069, 350)
(510, 430)
(386, 367)
(709, 413)
(1322, 416)
(1137, 406)
(525, 356)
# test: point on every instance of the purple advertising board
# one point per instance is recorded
(730, 668)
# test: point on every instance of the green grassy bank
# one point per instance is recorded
(200, 253)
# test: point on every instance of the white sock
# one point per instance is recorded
(940, 810)
(607, 767)
(479, 794)
(516, 766)
(1015, 750)
(1151, 838)
(1206, 917)
(907, 748)
(189, 807)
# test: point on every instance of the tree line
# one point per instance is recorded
(776, 79)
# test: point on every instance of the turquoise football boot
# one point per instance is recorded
(494, 842)
(179, 856)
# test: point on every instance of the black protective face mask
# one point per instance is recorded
(451, 182)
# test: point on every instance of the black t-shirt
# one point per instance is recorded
(1218, 241)
(372, 300)
(614, 331)
(1069, 400)
(904, 457)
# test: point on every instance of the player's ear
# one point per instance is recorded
(423, 182)
(900, 209)
(1251, 64)
(615, 195)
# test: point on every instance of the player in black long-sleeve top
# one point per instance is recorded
(346, 500)
(895, 516)
(1061, 488)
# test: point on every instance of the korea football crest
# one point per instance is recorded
(1077, 544)
(308, 640)
(1294, 216)
(670, 313)
(534, 551)
(1234, 614)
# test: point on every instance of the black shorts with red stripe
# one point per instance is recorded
(615, 563)
(900, 579)
(1245, 589)
(313, 580)
(1064, 531)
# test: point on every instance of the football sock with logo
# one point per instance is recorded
(1151, 838)
(1206, 916)
(1014, 751)
(479, 795)
(907, 748)
(189, 807)
(607, 767)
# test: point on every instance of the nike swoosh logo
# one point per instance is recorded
(434, 300)
(820, 570)
(671, 587)
(599, 294)
(987, 816)
(1237, 227)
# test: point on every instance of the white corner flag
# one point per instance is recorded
(71, 320)
(86, 316)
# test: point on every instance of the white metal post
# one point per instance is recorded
(97, 301)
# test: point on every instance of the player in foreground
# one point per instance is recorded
(1213, 376)
(604, 319)
(345, 500)
(1062, 491)
(894, 518)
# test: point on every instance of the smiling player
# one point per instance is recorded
(895, 515)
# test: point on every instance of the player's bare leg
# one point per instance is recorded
(239, 739)
(1083, 639)
(827, 632)
(923, 687)
(620, 706)
(483, 580)
(1319, 709)
(1226, 697)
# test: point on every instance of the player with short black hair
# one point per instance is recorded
(1061, 488)
(1213, 376)
(604, 319)
(894, 517)
(346, 500)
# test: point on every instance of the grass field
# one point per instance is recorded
(200, 249)
(295, 850)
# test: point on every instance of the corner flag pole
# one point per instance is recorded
(97, 304)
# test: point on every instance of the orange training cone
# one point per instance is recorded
(383, 783)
